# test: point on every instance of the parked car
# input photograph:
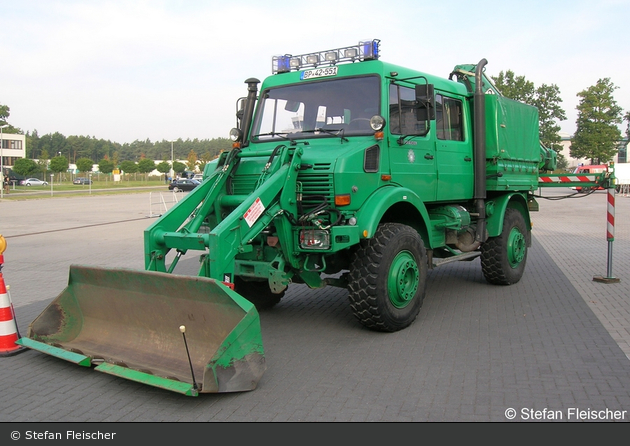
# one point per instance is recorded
(198, 177)
(33, 182)
(183, 185)
(82, 180)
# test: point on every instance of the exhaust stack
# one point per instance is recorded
(480, 152)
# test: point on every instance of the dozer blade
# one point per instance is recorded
(127, 323)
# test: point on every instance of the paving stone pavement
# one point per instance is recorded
(555, 342)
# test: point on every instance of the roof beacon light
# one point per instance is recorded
(369, 49)
(281, 64)
(365, 50)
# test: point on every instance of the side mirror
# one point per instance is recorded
(240, 110)
(425, 97)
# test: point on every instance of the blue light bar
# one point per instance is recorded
(281, 64)
(370, 49)
(365, 50)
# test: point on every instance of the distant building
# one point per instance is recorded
(565, 142)
(13, 147)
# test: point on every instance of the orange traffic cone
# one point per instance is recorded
(8, 328)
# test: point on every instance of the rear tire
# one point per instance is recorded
(388, 277)
(257, 292)
(503, 258)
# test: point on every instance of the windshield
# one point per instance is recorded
(338, 107)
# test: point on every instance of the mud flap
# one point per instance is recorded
(127, 323)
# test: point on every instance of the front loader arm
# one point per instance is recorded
(274, 196)
(197, 203)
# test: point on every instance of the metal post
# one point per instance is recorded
(172, 170)
(1, 161)
(610, 236)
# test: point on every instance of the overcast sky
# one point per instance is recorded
(134, 70)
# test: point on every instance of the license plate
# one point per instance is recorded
(319, 72)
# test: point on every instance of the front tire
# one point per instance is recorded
(503, 258)
(388, 277)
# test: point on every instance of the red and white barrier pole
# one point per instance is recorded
(610, 236)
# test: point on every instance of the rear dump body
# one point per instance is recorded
(127, 323)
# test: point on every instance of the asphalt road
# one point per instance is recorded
(555, 343)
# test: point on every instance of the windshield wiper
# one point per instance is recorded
(282, 135)
(338, 133)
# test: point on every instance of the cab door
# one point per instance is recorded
(453, 150)
(411, 145)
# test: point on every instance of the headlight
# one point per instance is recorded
(314, 239)
(377, 122)
(236, 134)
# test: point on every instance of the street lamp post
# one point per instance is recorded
(1, 161)
(172, 170)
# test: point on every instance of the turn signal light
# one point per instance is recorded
(342, 200)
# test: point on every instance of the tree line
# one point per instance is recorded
(108, 155)
(55, 152)
(75, 147)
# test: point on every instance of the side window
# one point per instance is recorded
(403, 119)
(448, 118)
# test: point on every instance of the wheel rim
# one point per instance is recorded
(515, 247)
(403, 279)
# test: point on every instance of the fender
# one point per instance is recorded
(495, 210)
(375, 208)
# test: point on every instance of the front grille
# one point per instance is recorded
(316, 185)
(371, 158)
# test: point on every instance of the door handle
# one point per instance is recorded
(467, 158)
(428, 156)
